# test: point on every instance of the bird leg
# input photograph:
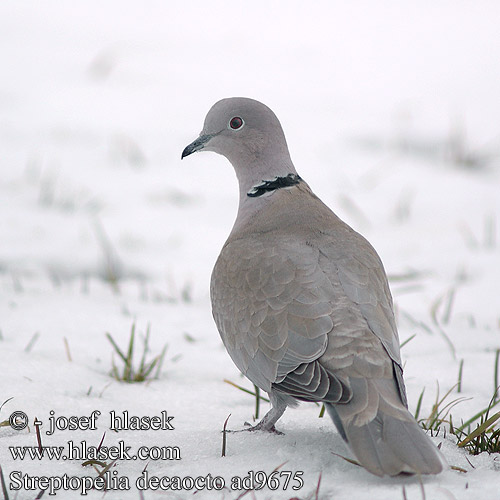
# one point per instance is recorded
(278, 407)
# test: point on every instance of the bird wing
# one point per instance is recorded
(273, 310)
(349, 260)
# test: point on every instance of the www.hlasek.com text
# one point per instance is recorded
(82, 451)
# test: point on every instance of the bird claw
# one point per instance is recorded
(258, 427)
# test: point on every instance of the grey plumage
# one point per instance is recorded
(302, 302)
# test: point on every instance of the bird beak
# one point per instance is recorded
(196, 145)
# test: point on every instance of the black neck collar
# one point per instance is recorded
(272, 185)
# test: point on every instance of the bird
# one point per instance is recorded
(302, 301)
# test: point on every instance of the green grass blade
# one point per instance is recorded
(478, 415)
(495, 373)
(145, 350)
(149, 368)
(127, 371)
(257, 401)
(116, 348)
(160, 362)
(407, 340)
(245, 390)
(419, 404)
(460, 373)
(480, 430)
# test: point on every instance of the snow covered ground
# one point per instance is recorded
(392, 114)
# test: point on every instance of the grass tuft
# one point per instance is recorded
(484, 437)
(440, 411)
(145, 369)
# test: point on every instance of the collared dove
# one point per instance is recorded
(302, 301)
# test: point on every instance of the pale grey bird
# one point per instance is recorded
(302, 301)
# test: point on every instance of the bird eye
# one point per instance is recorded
(236, 123)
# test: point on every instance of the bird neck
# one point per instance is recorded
(263, 172)
(258, 190)
(273, 184)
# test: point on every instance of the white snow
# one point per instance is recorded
(392, 115)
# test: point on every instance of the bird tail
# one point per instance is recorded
(381, 432)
